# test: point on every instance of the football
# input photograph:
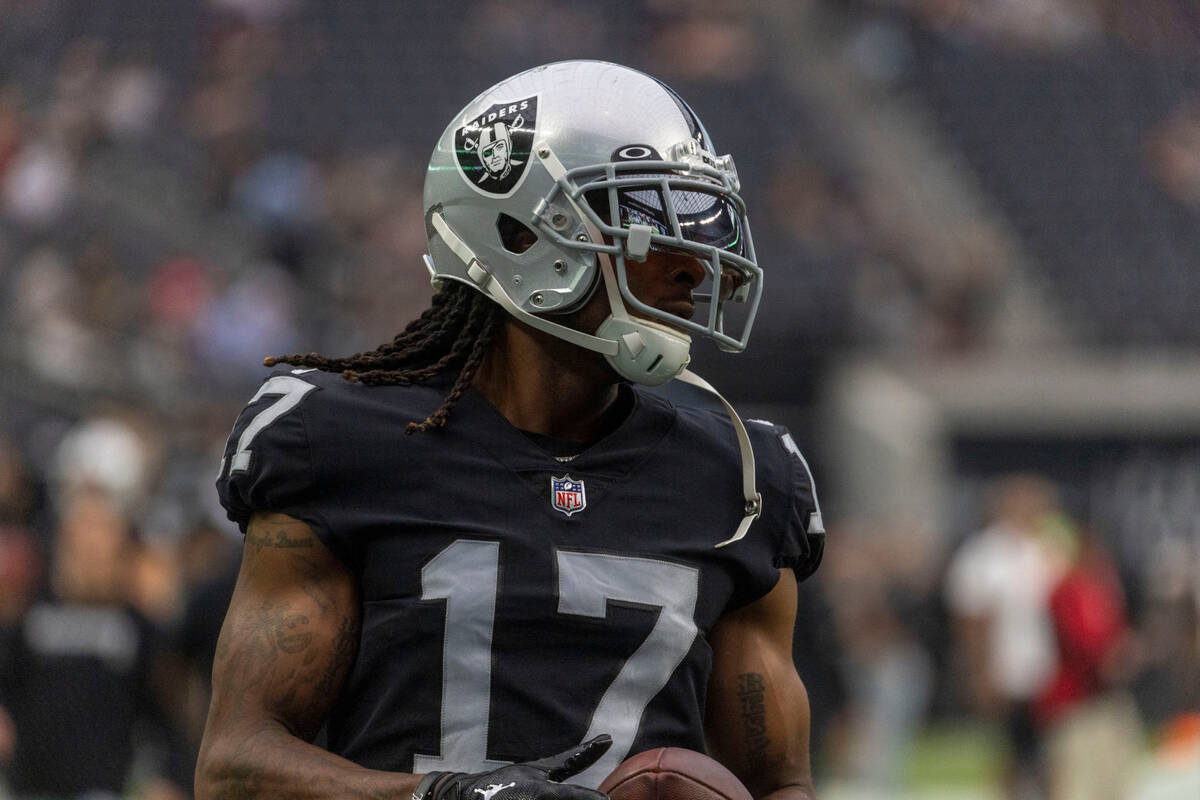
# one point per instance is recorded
(673, 773)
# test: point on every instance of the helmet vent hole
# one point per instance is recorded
(514, 235)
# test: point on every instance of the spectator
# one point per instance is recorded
(1173, 155)
(887, 670)
(78, 678)
(109, 454)
(1092, 728)
(1170, 626)
(997, 589)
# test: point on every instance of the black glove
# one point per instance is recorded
(531, 780)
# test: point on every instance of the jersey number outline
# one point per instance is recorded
(466, 575)
(292, 391)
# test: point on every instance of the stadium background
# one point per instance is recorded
(980, 224)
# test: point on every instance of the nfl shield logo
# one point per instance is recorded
(567, 494)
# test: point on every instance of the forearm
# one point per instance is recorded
(758, 714)
(791, 792)
(772, 753)
(270, 762)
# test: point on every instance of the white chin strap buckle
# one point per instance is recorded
(648, 352)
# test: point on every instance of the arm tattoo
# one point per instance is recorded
(344, 648)
(754, 718)
(289, 639)
(260, 637)
(277, 538)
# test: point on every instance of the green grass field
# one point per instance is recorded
(962, 762)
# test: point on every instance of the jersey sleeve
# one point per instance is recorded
(800, 534)
(267, 464)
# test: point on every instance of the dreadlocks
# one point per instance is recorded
(454, 332)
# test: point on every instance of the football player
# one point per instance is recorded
(484, 541)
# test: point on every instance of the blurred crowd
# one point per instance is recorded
(1079, 119)
(187, 187)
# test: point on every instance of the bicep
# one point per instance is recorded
(291, 632)
(757, 721)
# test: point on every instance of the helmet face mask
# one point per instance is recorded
(556, 149)
(689, 212)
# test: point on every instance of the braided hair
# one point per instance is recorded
(453, 333)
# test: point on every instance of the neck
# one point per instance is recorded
(544, 385)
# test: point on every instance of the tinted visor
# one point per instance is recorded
(705, 218)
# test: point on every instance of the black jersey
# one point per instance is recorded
(71, 663)
(513, 603)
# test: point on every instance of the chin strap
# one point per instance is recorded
(753, 507)
(478, 273)
(648, 352)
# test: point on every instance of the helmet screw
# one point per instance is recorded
(558, 220)
(560, 266)
(516, 280)
(581, 237)
(536, 299)
(543, 152)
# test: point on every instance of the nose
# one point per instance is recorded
(731, 281)
(685, 269)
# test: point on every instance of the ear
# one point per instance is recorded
(516, 123)
(470, 144)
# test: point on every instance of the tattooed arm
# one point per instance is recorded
(758, 715)
(289, 638)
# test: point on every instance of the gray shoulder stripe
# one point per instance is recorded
(816, 523)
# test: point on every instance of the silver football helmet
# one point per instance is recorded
(601, 163)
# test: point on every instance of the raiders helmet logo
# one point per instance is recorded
(493, 149)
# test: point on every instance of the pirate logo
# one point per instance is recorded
(493, 148)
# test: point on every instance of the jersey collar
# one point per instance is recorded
(614, 454)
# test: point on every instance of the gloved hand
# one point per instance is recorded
(530, 780)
